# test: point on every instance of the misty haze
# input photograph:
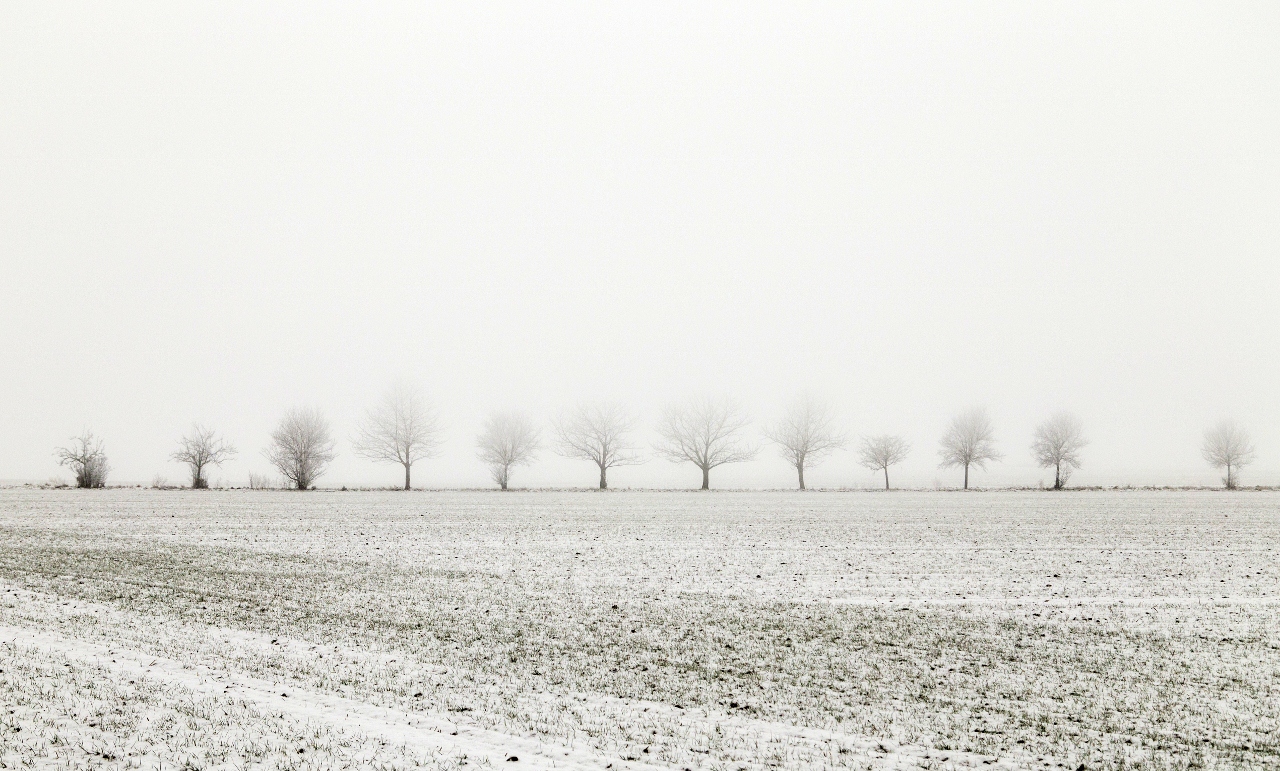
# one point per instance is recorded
(713, 386)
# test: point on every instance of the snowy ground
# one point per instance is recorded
(629, 630)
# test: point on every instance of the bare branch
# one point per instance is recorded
(806, 434)
(599, 433)
(509, 439)
(402, 429)
(704, 432)
(200, 449)
(301, 446)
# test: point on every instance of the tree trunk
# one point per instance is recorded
(800, 471)
(604, 484)
(1231, 483)
(886, 477)
(406, 476)
(1057, 477)
(966, 476)
(706, 479)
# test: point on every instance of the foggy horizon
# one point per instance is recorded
(767, 471)
(216, 215)
(726, 247)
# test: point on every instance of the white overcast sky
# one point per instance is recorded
(215, 212)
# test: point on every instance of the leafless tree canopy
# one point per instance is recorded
(1228, 446)
(301, 446)
(86, 456)
(880, 452)
(969, 441)
(599, 433)
(1057, 445)
(806, 434)
(704, 432)
(401, 429)
(200, 449)
(509, 439)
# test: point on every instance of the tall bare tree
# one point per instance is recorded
(705, 432)
(1228, 446)
(599, 433)
(402, 428)
(969, 441)
(880, 452)
(509, 439)
(86, 456)
(1057, 445)
(200, 449)
(301, 446)
(806, 434)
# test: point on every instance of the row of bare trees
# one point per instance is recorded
(707, 432)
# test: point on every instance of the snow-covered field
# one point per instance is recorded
(236, 629)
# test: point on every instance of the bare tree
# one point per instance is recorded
(509, 439)
(704, 432)
(881, 452)
(599, 433)
(402, 428)
(301, 446)
(259, 481)
(1057, 445)
(1228, 446)
(86, 456)
(806, 434)
(969, 441)
(200, 449)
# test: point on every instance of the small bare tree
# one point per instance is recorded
(259, 481)
(704, 432)
(301, 446)
(880, 452)
(402, 428)
(86, 456)
(969, 441)
(1228, 446)
(599, 433)
(806, 434)
(200, 449)
(1057, 445)
(509, 439)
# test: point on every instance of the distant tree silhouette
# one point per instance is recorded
(402, 428)
(509, 439)
(1227, 446)
(806, 434)
(600, 433)
(880, 452)
(86, 456)
(301, 446)
(969, 441)
(200, 449)
(704, 432)
(1057, 445)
